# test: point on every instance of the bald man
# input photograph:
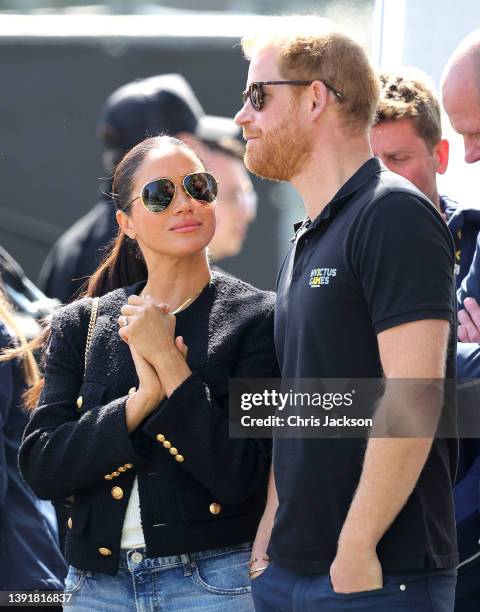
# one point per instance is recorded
(461, 94)
(461, 99)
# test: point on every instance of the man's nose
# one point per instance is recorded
(243, 115)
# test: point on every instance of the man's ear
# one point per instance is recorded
(441, 152)
(318, 98)
(125, 223)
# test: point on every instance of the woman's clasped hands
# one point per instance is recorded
(159, 357)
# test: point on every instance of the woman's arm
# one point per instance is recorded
(64, 450)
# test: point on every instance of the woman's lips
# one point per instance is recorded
(188, 226)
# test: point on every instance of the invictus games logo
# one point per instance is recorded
(321, 276)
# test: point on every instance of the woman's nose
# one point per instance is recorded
(182, 202)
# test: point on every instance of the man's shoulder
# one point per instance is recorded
(459, 214)
(397, 188)
(394, 199)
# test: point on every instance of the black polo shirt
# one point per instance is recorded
(377, 256)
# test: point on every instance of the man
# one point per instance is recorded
(407, 136)
(159, 104)
(375, 518)
(461, 99)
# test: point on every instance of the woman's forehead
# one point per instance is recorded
(169, 161)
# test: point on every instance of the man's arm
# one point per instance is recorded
(259, 551)
(391, 465)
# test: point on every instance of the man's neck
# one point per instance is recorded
(328, 170)
(436, 200)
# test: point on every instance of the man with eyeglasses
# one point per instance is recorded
(351, 523)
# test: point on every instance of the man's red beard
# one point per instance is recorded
(279, 154)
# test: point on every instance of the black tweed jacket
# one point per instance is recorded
(208, 494)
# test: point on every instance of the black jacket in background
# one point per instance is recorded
(79, 251)
(30, 557)
(229, 333)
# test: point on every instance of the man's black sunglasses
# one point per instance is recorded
(157, 195)
(256, 94)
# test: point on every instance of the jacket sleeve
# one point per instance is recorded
(63, 450)
(196, 423)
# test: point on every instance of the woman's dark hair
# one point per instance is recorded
(124, 263)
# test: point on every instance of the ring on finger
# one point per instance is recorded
(124, 321)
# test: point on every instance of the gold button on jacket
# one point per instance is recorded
(215, 508)
(69, 522)
(106, 552)
(79, 402)
(117, 492)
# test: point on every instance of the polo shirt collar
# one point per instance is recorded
(362, 175)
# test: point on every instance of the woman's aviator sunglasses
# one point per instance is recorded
(157, 195)
(256, 94)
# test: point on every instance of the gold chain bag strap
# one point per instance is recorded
(91, 327)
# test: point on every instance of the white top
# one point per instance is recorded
(132, 532)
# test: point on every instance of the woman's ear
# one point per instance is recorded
(125, 223)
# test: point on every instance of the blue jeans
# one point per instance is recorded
(279, 590)
(213, 580)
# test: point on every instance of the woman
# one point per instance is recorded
(165, 504)
(30, 557)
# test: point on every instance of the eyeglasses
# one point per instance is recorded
(157, 195)
(256, 94)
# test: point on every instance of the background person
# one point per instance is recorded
(237, 206)
(407, 136)
(165, 503)
(30, 557)
(461, 99)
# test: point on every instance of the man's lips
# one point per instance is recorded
(186, 226)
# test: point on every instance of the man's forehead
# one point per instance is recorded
(264, 66)
(395, 137)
